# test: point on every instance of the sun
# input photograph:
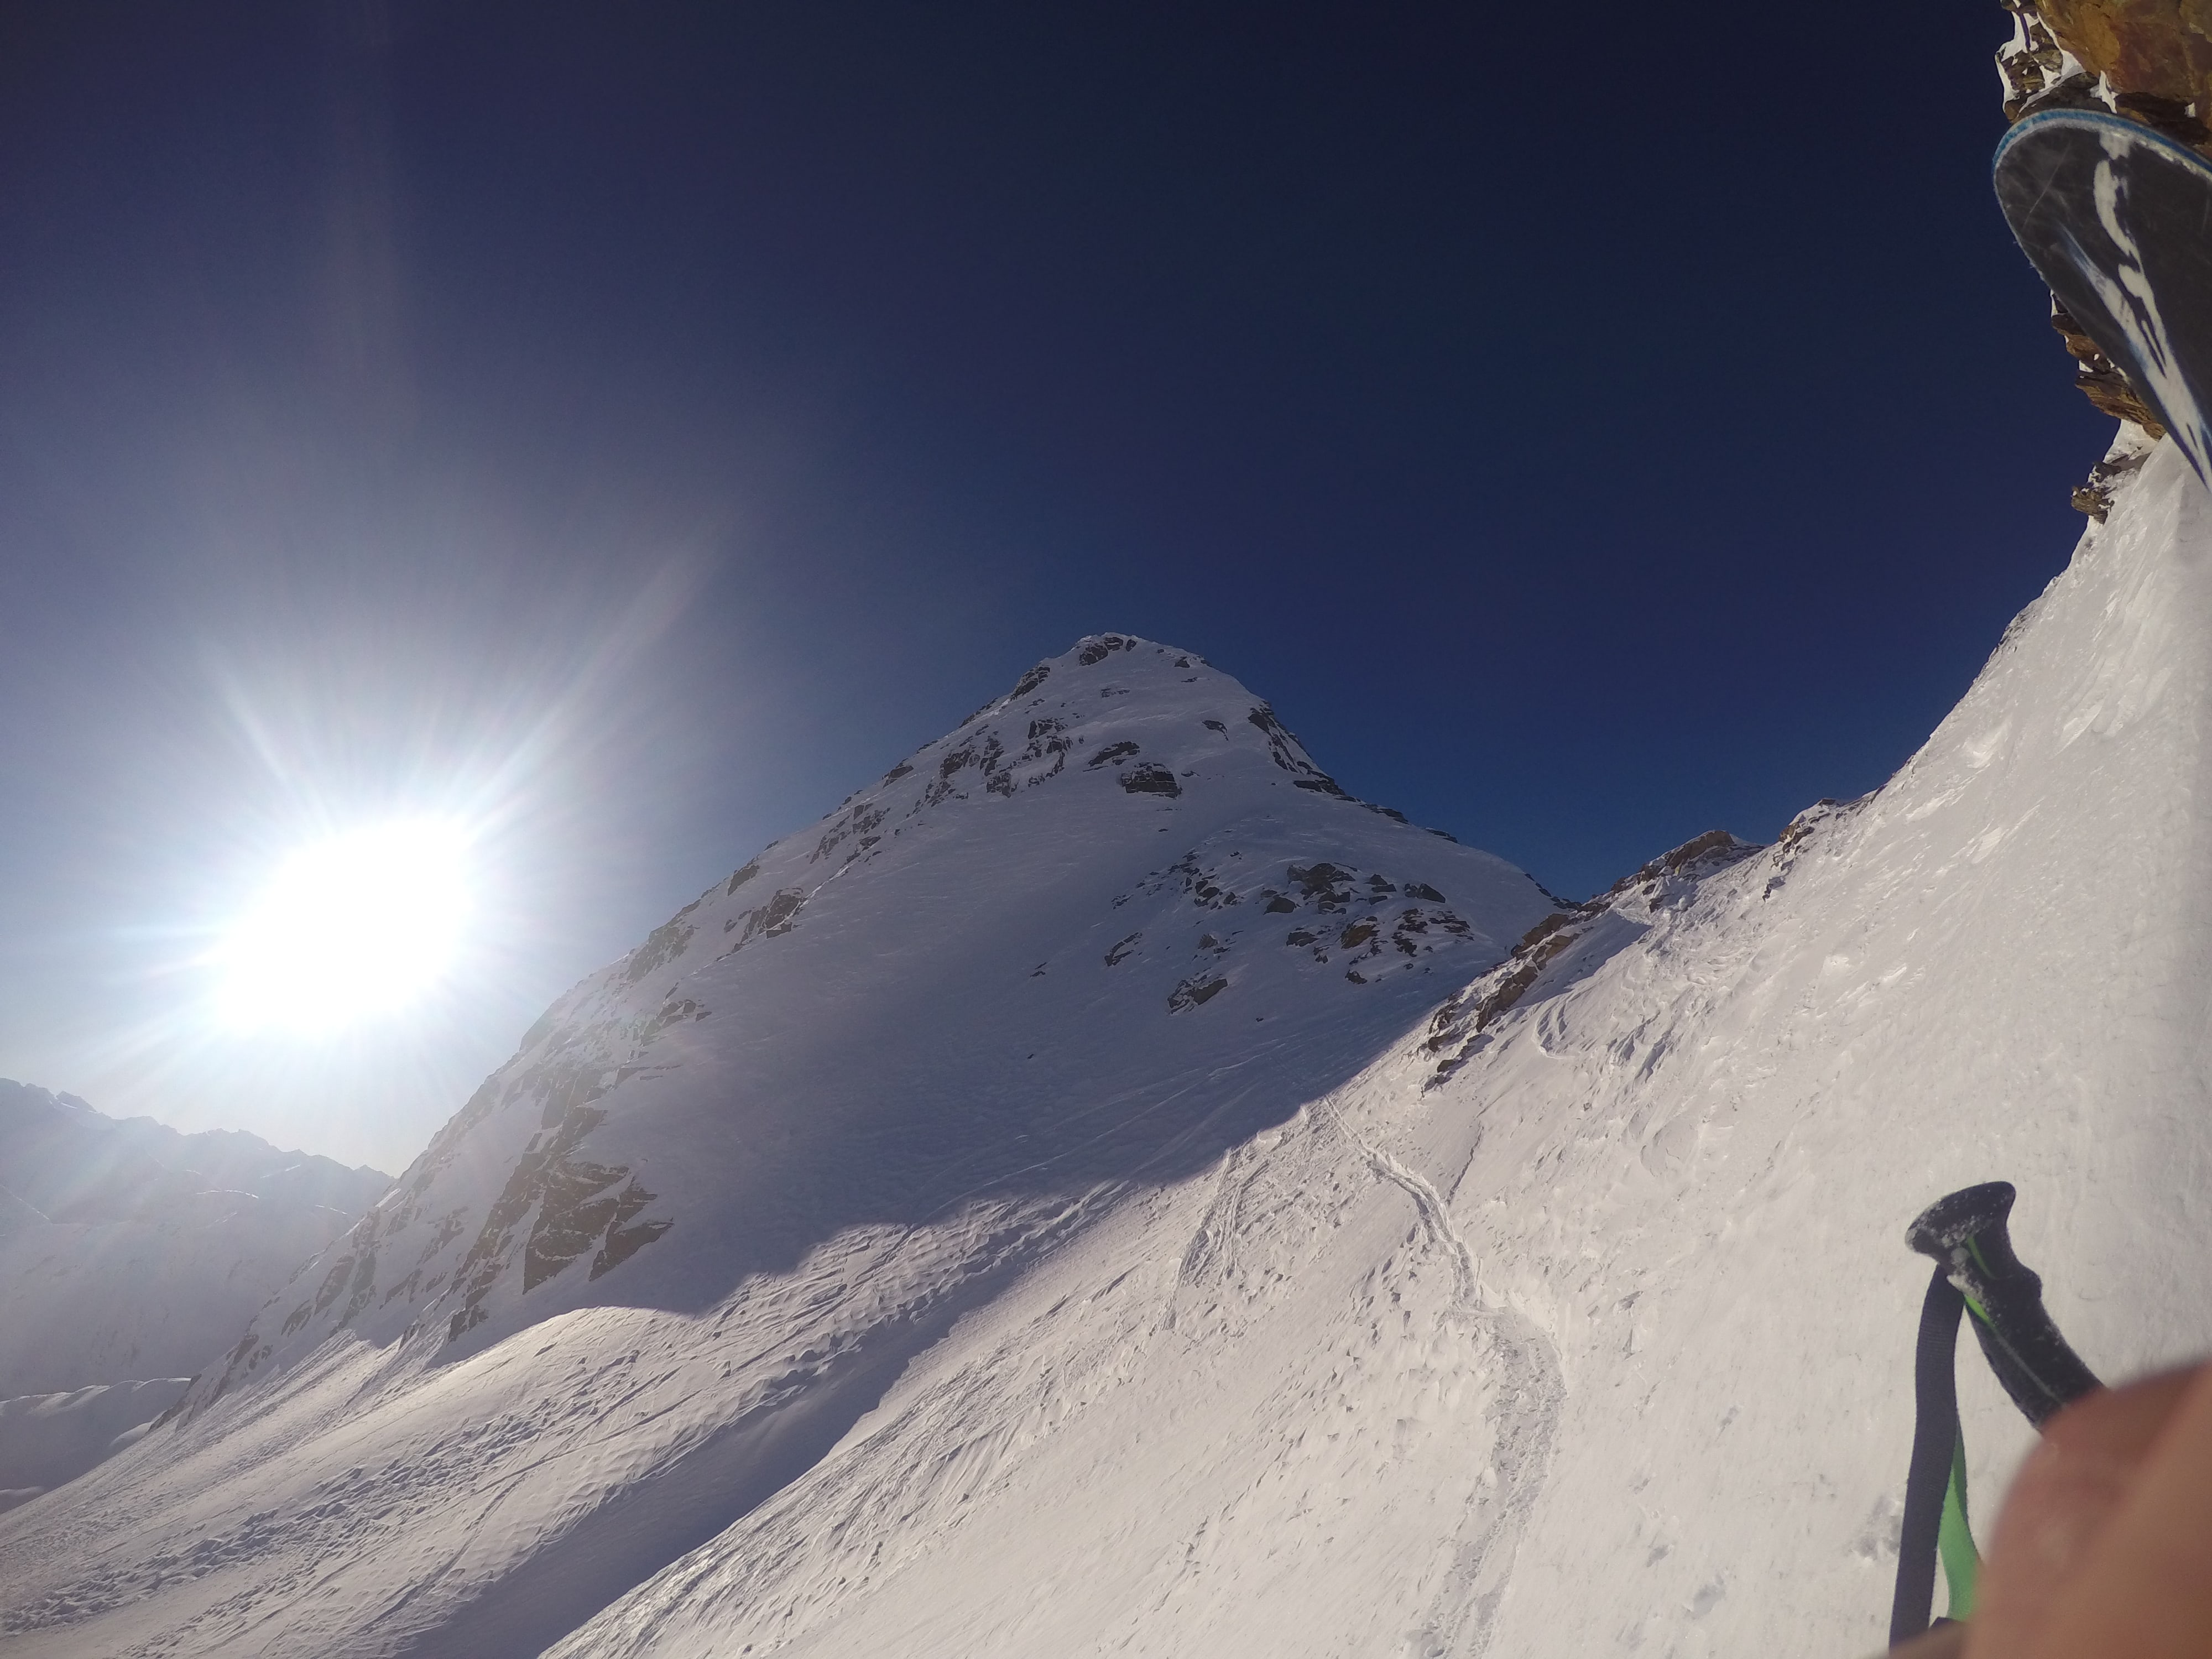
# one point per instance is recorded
(359, 925)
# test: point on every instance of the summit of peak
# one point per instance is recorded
(1129, 656)
(1157, 720)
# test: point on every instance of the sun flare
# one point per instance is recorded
(361, 924)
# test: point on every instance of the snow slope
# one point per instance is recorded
(1580, 1323)
(1554, 1305)
(1057, 963)
(129, 1251)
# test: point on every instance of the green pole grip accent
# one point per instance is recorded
(1954, 1542)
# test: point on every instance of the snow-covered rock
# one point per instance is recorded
(129, 1250)
(993, 980)
(898, 1255)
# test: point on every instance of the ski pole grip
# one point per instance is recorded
(1966, 1234)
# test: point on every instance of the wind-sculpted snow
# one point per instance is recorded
(1104, 1220)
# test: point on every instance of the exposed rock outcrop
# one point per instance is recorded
(2150, 60)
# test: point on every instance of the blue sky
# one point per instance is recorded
(639, 426)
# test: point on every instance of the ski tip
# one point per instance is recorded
(2116, 133)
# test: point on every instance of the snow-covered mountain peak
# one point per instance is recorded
(1144, 717)
(1114, 921)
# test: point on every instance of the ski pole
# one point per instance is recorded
(1976, 1272)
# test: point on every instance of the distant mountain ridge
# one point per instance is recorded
(73, 1162)
(129, 1249)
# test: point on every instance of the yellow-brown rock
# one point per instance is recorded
(2156, 56)
(2100, 379)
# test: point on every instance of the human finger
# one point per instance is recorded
(2047, 1554)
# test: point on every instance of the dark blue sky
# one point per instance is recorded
(658, 418)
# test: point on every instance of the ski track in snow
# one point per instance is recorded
(1527, 1389)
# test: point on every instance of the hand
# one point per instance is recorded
(2104, 1547)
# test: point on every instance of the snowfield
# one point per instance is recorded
(1105, 1192)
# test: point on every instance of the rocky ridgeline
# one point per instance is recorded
(75, 1165)
(130, 1250)
(1571, 942)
